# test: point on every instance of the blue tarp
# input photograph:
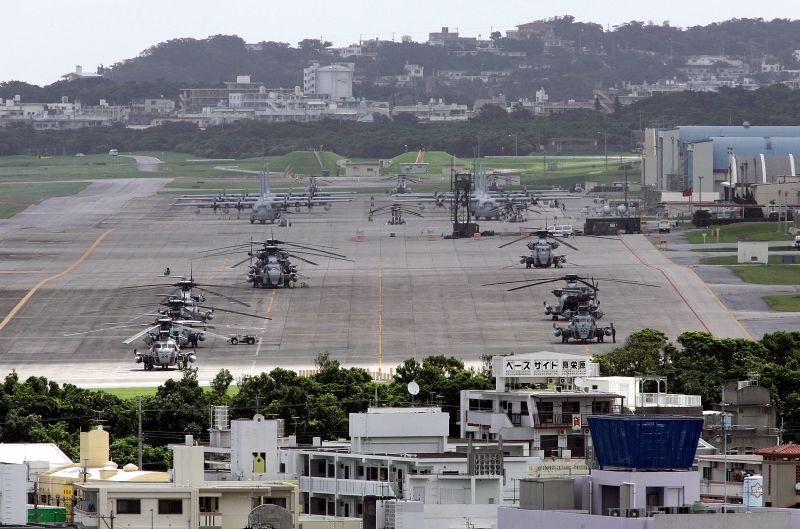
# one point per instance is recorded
(645, 443)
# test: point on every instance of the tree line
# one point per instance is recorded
(41, 410)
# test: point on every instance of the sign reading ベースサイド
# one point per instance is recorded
(552, 367)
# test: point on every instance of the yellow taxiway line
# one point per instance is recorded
(46, 280)
(380, 314)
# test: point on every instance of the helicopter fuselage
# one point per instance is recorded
(164, 352)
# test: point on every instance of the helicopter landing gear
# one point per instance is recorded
(528, 265)
(564, 339)
(555, 317)
(148, 364)
(164, 367)
(181, 364)
(599, 339)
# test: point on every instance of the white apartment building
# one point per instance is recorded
(334, 81)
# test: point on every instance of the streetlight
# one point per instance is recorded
(516, 143)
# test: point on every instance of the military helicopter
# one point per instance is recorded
(542, 250)
(178, 309)
(402, 187)
(396, 211)
(164, 348)
(576, 292)
(272, 267)
(583, 327)
(513, 211)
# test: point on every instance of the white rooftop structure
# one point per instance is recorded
(399, 430)
(24, 452)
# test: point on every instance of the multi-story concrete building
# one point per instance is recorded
(551, 418)
(144, 111)
(333, 82)
(746, 416)
(60, 115)
(434, 111)
(193, 100)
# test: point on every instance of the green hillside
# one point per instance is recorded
(299, 162)
(435, 160)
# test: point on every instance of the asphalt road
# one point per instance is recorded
(403, 295)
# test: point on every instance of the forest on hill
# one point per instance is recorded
(577, 58)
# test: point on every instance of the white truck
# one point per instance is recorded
(664, 226)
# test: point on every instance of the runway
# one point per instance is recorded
(402, 296)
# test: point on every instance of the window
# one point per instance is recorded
(209, 504)
(170, 506)
(129, 506)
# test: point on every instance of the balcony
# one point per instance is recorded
(210, 520)
(487, 420)
(667, 400)
(720, 489)
(347, 487)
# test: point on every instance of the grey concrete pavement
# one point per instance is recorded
(402, 296)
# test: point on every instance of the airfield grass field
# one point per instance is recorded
(788, 303)
(727, 260)
(28, 179)
(768, 275)
(16, 197)
(733, 249)
(754, 231)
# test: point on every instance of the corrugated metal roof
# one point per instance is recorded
(753, 146)
(22, 452)
(697, 133)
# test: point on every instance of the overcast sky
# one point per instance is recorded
(43, 39)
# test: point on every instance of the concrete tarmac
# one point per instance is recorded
(402, 296)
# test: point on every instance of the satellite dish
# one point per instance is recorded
(413, 388)
(578, 382)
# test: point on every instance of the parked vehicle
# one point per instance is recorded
(561, 230)
(237, 339)
(664, 226)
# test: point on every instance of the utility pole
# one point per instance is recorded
(139, 416)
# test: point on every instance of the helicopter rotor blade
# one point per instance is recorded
(237, 312)
(243, 261)
(565, 243)
(232, 300)
(140, 334)
(515, 240)
(304, 260)
(535, 282)
(103, 329)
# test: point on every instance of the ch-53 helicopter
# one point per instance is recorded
(575, 292)
(542, 250)
(270, 265)
(583, 327)
(395, 211)
(402, 187)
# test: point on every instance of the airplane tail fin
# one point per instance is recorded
(264, 181)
